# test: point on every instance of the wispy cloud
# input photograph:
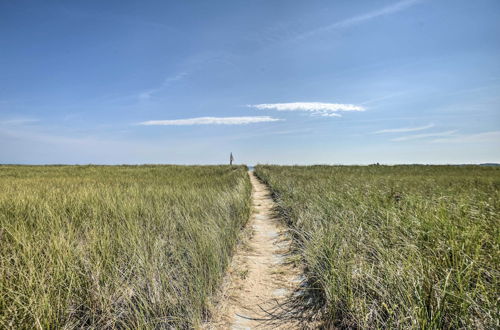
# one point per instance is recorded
(493, 136)
(316, 108)
(145, 95)
(422, 136)
(383, 98)
(187, 69)
(391, 9)
(210, 121)
(18, 121)
(404, 129)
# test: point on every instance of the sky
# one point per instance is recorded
(278, 82)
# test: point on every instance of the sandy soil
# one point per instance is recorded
(260, 279)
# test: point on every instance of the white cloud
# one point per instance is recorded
(316, 108)
(493, 136)
(309, 106)
(211, 121)
(326, 114)
(422, 136)
(404, 129)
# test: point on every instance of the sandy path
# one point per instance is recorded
(260, 280)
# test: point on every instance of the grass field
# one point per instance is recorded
(116, 246)
(395, 246)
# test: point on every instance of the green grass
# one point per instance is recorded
(396, 247)
(116, 246)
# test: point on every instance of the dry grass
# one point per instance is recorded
(395, 247)
(116, 246)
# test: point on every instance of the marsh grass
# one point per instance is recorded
(395, 246)
(116, 246)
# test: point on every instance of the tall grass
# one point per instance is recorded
(396, 247)
(116, 246)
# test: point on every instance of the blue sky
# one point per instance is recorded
(285, 82)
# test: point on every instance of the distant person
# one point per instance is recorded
(231, 158)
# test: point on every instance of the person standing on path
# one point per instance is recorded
(231, 158)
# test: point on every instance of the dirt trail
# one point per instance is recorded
(260, 280)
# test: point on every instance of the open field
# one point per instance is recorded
(116, 246)
(395, 246)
